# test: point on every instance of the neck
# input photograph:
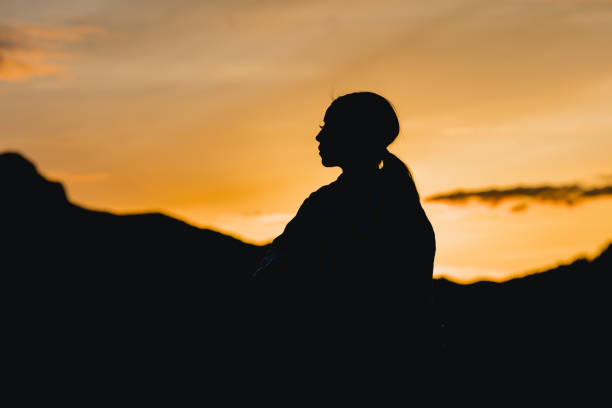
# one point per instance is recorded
(360, 171)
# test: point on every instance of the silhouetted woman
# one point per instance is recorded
(354, 268)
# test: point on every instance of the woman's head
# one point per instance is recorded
(358, 128)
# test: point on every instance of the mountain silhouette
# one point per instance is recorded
(53, 232)
(146, 291)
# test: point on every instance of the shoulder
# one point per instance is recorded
(322, 194)
(313, 205)
(307, 215)
(328, 188)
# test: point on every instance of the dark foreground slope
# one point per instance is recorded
(549, 321)
(105, 293)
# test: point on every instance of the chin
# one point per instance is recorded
(325, 164)
(328, 161)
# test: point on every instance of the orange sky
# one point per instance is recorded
(208, 110)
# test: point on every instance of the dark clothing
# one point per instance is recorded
(368, 233)
(349, 279)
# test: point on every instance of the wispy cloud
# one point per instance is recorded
(24, 64)
(605, 176)
(571, 194)
(72, 33)
(28, 50)
(65, 176)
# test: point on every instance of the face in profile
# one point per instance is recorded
(340, 143)
(330, 140)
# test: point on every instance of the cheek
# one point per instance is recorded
(329, 155)
(331, 152)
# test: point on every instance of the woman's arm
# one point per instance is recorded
(285, 249)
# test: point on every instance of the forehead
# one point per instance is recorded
(330, 113)
(335, 117)
(339, 111)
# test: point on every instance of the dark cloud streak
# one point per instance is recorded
(570, 195)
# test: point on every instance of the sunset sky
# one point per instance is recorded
(208, 110)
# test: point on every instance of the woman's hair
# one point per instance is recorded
(372, 118)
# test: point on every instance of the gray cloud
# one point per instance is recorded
(28, 50)
(570, 195)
